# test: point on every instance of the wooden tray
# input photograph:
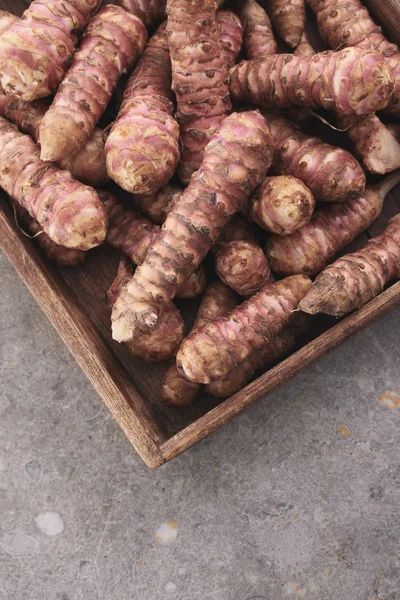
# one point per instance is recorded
(74, 301)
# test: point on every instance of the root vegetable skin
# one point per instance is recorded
(64, 257)
(199, 77)
(312, 247)
(354, 81)
(6, 20)
(164, 343)
(235, 162)
(37, 49)
(278, 346)
(348, 23)
(237, 229)
(355, 279)
(211, 352)
(304, 47)
(71, 214)
(151, 12)
(331, 173)
(217, 301)
(142, 149)
(88, 165)
(110, 46)
(258, 36)
(160, 203)
(243, 267)
(133, 234)
(231, 37)
(289, 19)
(282, 205)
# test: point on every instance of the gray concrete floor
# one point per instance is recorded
(297, 498)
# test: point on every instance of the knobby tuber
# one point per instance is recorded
(304, 47)
(277, 347)
(354, 81)
(199, 77)
(331, 173)
(133, 234)
(312, 247)
(282, 204)
(163, 343)
(257, 31)
(217, 301)
(212, 351)
(143, 146)
(70, 213)
(6, 20)
(243, 267)
(238, 228)
(231, 36)
(348, 23)
(159, 204)
(37, 49)
(110, 46)
(88, 165)
(151, 12)
(235, 162)
(64, 257)
(289, 19)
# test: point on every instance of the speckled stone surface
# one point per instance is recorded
(297, 498)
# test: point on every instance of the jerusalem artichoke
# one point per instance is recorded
(235, 162)
(331, 173)
(133, 234)
(243, 266)
(217, 301)
(70, 213)
(354, 81)
(142, 149)
(199, 77)
(257, 31)
(289, 19)
(6, 20)
(231, 36)
(159, 204)
(282, 204)
(238, 228)
(278, 346)
(211, 352)
(151, 12)
(37, 49)
(355, 279)
(110, 46)
(87, 165)
(348, 23)
(163, 343)
(304, 47)
(312, 247)
(64, 257)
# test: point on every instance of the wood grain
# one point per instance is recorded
(387, 14)
(75, 302)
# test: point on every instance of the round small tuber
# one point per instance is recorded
(243, 266)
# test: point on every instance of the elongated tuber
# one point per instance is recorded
(231, 36)
(37, 49)
(304, 47)
(243, 266)
(289, 19)
(199, 77)
(348, 23)
(110, 46)
(282, 204)
(70, 213)
(164, 343)
(257, 31)
(64, 257)
(331, 173)
(159, 204)
(88, 165)
(211, 352)
(354, 81)
(355, 279)
(217, 301)
(133, 234)
(151, 12)
(235, 162)
(312, 247)
(278, 346)
(143, 146)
